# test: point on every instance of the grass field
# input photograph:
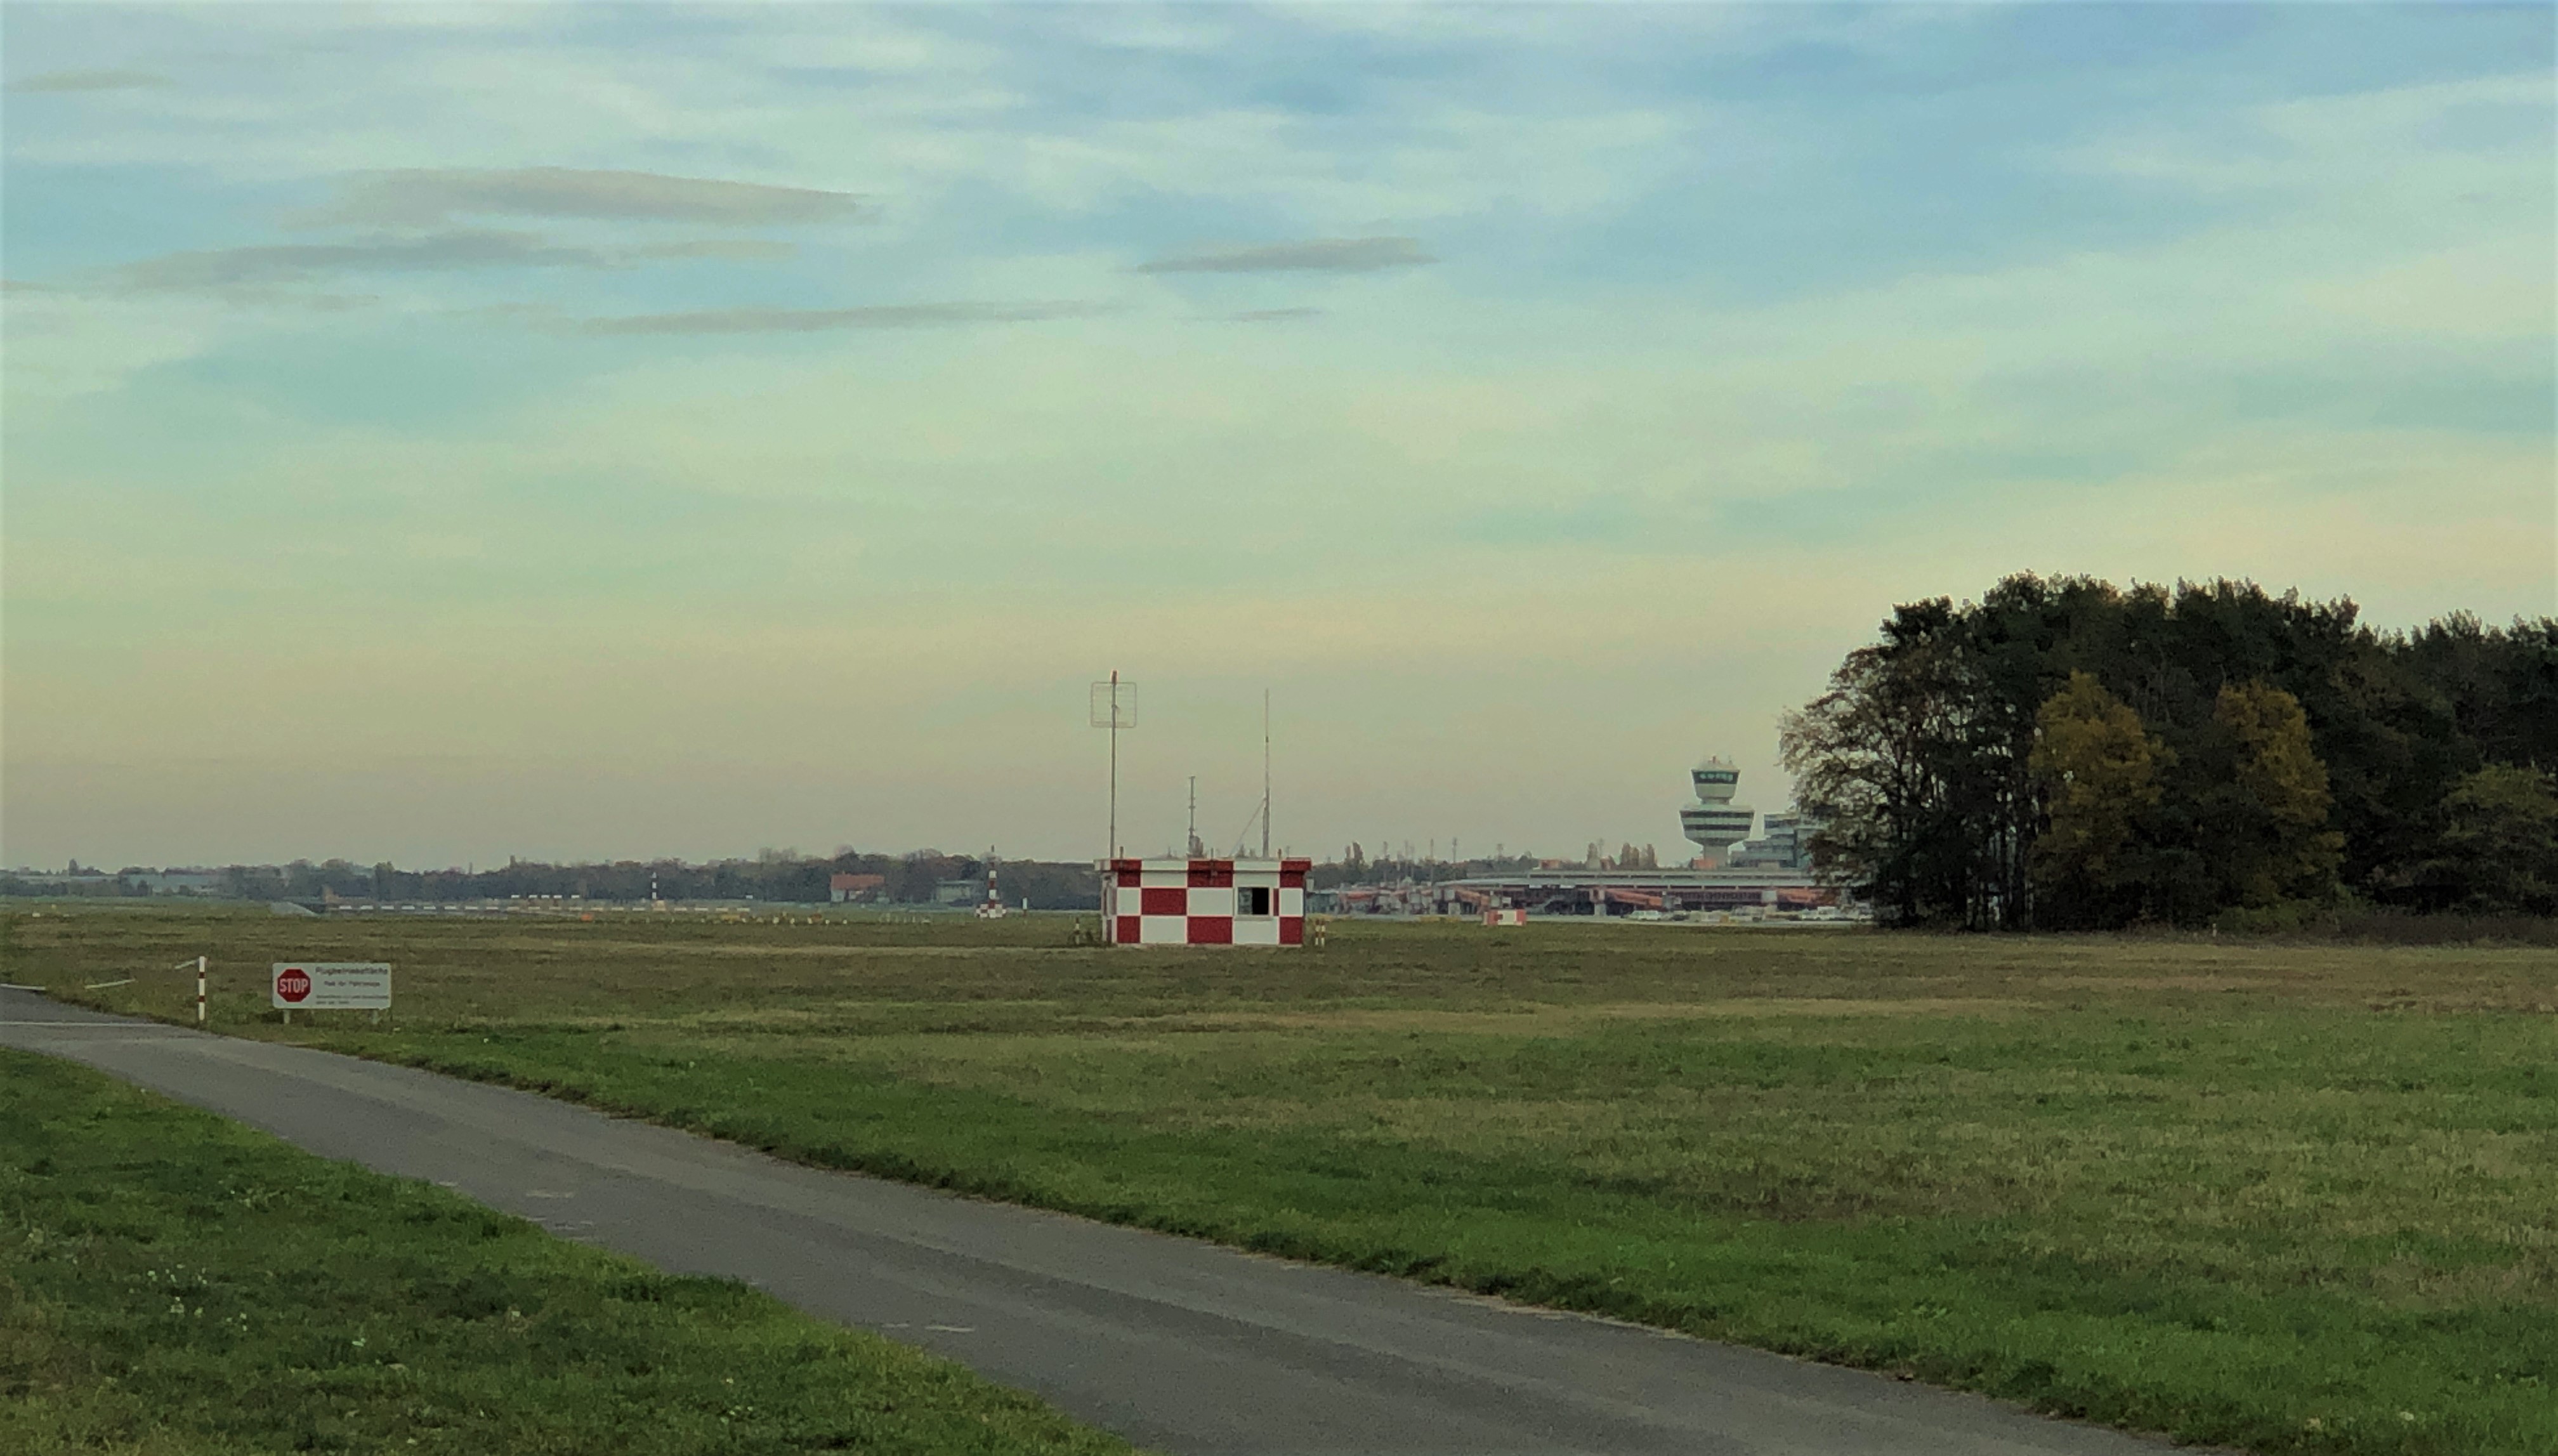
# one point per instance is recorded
(2290, 1198)
(171, 1284)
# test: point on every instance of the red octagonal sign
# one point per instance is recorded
(293, 983)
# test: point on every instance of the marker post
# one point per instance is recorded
(200, 991)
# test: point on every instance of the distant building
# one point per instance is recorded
(1714, 822)
(1787, 845)
(1205, 902)
(72, 881)
(1721, 827)
(846, 888)
(137, 881)
(1600, 892)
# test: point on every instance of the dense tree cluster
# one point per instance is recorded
(2063, 754)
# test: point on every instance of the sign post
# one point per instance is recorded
(307, 985)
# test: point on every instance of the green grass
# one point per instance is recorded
(171, 1284)
(2291, 1198)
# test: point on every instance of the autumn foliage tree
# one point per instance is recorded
(2264, 802)
(2097, 768)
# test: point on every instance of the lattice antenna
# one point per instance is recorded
(1114, 707)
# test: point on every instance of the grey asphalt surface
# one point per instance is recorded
(1180, 1345)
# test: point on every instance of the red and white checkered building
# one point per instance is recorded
(1205, 902)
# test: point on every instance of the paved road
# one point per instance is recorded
(1177, 1344)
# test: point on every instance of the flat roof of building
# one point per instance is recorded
(1671, 879)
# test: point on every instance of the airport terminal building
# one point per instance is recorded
(1732, 871)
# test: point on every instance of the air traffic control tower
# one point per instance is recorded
(1714, 822)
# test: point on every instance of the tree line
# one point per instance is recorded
(783, 876)
(1355, 867)
(776, 876)
(2061, 754)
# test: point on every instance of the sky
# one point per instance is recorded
(436, 433)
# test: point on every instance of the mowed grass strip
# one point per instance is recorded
(173, 1284)
(2291, 1198)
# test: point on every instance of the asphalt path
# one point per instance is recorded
(1177, 1344)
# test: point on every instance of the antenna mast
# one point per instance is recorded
(1265, 773)
(1115, 764)
(1114, 707)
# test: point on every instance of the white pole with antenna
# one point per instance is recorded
(1114, 763)
(1265, 773)
(1192, 845)
(1114, 707)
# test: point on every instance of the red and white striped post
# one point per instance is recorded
(200, 991)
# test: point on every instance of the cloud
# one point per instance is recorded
(228, 267)
(734, 250)
(1311, 255)
(89, 81)
(433, 253)
(810, 320)
(428, 197)
(1270, 316)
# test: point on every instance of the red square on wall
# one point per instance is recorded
(1127, 932)
(1212, 929)
(1173, 900)
(1291, 929)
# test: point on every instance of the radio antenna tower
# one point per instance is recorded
(1243, 838)
(1114, 707)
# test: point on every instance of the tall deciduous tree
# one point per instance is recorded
(2497, 850)
(1882, 759)
(2264, 807)
(2097, 768)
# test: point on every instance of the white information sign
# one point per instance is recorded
(306, 985)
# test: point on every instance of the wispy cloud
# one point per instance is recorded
(91, 81)
(430, 197)
(1311, 255)
(1270, 316)
(225, 268)
(727, 249)
(433, 253)
(810, 320)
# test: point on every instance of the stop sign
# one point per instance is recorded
(293, 983)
